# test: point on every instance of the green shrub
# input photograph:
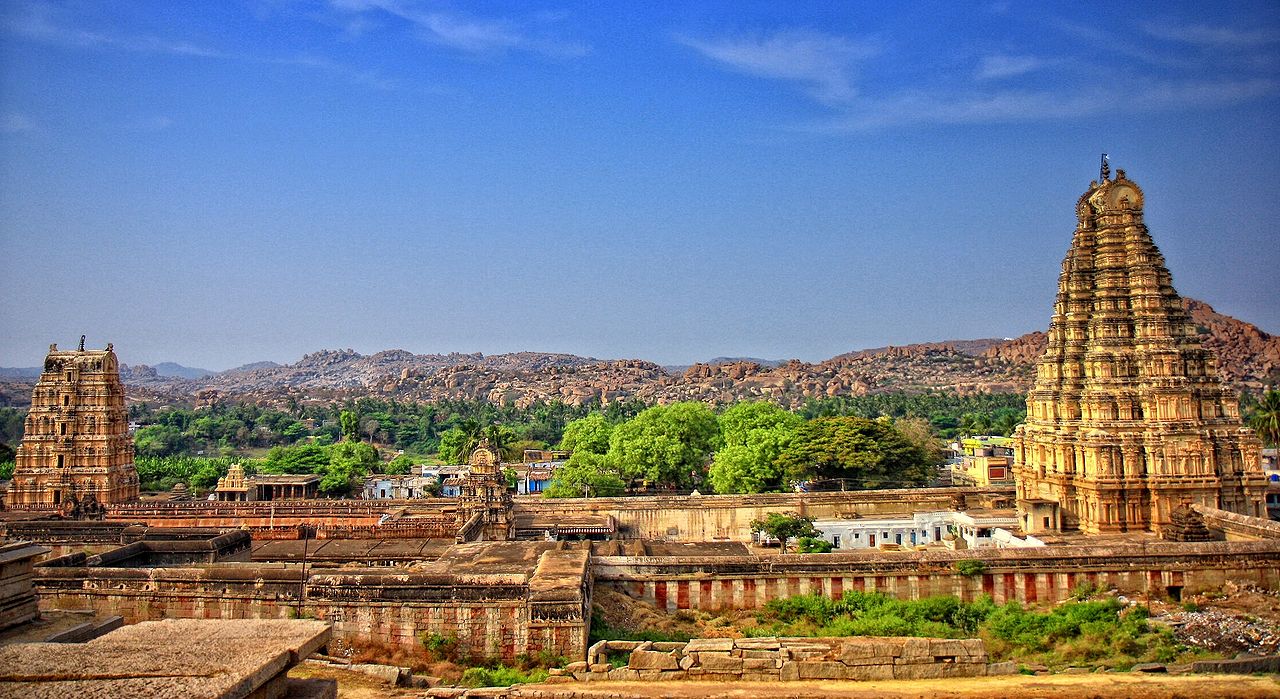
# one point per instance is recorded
(440, 647)
(500, 676)
(1075, 632)
(809, 544)
(970, 567)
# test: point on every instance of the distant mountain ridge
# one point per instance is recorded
(182, 372)
(1248, 358)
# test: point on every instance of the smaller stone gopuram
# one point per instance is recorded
(76, 447)
(484, 493)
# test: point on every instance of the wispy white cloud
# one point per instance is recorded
(39, 24)
(999, 66)
(1211, 37)
(1010, 106)
(15, 123)
(826, 64)
(466, 34)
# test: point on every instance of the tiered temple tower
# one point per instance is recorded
(484, 490)
(76, 446)
(1128, 419)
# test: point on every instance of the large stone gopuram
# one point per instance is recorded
(76, 448)
(1128, 419)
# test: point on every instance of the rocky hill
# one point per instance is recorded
(1248, 357)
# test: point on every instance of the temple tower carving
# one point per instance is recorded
(1128, 419)
(76, 447)
(484, 491)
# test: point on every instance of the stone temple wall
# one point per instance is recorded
(492, 614)
(728, 517)
(1026, 575)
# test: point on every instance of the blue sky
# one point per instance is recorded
(218, 183)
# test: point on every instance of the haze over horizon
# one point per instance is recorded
(217, 184)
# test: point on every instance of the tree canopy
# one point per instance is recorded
(666, 444)
(869, 453)
(754, 434)
(785, 527)
(585, 474)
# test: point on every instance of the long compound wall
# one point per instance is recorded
(729, 517)
(1026, 575)
(502, 615)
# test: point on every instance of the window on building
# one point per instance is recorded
(1046, 522)
(62, 428)
(61, 460)
(835, 541)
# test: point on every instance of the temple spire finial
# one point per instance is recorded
(82, 343)
(1105, 171)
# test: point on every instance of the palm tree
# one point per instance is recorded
(1265, 418)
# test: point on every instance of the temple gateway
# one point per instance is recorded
(76, 448)
(1128, 420)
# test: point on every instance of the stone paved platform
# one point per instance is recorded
(173, 658)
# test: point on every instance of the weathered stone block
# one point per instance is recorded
(580, 666)
(687, 661)
(599, 667)
(763, 643)
(716, 662)
(917, 649)
(823, 670)
(619, 645)
(770, 654)
(653, 660)
(757, 664)
(622, 673)
(714, 645)
(789, 672)
(668, 646)
(869, 672)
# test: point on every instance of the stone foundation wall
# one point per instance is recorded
(490, 614)
(786, 659)
(1027, 575)
(728, 517)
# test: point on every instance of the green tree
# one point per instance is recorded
(298, 459)
(921, 433)
(785, 527)
(158, 440)
(350, 423)
(870, 453)
(452, 444)
(585, 474)
(400, 465)
(666, 444)
(1265, 418)
(589, 434)
(754, 434)
(349, 464)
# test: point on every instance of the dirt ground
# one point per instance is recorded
(1109, 686)
(353, 685)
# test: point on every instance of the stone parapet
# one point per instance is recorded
(1047, 574)
(1238, 527)
(786, 659)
